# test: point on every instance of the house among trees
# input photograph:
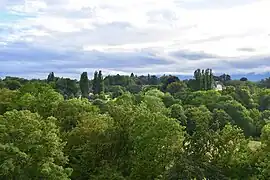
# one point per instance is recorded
(218, 86)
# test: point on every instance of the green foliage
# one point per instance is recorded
(84, 85)
(12, 84)
(120, 80)
(30, 147)
(266, 116)
(169, 100)
(263, 158)
(39, 98)
(67, 87)
(155, 104)
(131, 143)
(243, 95)
(263, 99)
(89, 145)
(222, 78)
(69, 113)
(220, 119)
(198, 119)
(116, 91)
(214, 155)
(240, 84)
(134, 127)
(34, 88)
(154, 146)
(176, 87)
(98, 83)
(229, 91)
(155, 93)
(153, 80)
(50, 77)
(203, 80)
(265, 83)
(133, 88)
(258, 120)
(166, 80)
(177, 112)
(101, 104)
(7, 99)
(207, 98)
(2, 84)
(240, 116)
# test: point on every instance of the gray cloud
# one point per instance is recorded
(139, 36)
(26, 60)
(21, 57)
(192, 55)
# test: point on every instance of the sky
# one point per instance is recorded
(158, 37)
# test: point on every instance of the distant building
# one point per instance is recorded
(218, 86)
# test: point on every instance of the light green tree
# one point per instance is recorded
(69, 112)
(30, 147)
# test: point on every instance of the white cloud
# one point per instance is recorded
(232, 30)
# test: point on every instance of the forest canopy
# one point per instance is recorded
(120, 127)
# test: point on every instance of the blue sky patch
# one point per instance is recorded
(11, 17)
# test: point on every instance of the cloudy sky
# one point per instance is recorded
(140, 36)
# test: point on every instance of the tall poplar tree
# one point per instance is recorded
(204, 79)
(211, 79)
(84, 85)
(95, 83)
(100, 83)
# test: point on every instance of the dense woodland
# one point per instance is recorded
(134, 128)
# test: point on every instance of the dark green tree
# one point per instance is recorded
(153, 80)
(95, 83)
(51, 77)
(12, 84)
(166, 80)
(116, 91)
(84, 85)
(243, 79)
(100, 82)
(265, 83)
(67, 87)
(176, 87)
(198, 80)
(203, 80)
(222, 78)
(2, 84)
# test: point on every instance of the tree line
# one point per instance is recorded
(134, 127)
